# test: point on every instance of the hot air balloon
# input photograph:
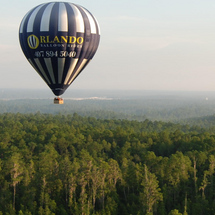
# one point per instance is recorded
(59, 39)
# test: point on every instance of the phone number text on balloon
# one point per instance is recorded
(54, 54)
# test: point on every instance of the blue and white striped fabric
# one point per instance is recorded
(59, 39)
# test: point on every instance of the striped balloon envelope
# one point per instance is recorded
(59, 39)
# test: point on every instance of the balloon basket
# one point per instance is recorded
(58, 100)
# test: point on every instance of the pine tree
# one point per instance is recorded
(16, 169)
(150, 194)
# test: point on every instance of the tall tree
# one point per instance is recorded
(96, 183)
(16, 169)
(151, 193)
(204, 183)
(114, 173)
(211, 173)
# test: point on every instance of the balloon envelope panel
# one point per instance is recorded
(59, 39)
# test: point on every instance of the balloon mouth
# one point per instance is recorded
(58, 91)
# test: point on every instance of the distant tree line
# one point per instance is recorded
(69, 164)
(175, 109)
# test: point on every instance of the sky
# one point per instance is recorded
(164, 45)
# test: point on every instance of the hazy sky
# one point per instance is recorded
(145, 45)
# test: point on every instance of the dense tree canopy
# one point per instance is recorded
(69, 164)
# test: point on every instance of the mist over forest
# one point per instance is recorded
(166, 106)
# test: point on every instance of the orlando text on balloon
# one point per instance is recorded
(34, 41)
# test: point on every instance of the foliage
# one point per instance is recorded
(69, 164)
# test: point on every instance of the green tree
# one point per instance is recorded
(114, 173)
(174, 212)
(211, 173)
(197, 158)
(16, 169)
(204, 183)
(151, 193)
(96, 183)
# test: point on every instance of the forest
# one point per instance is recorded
(71, 164)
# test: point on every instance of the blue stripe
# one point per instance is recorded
(53, 28)
(37, 21)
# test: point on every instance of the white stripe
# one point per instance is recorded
(97, 25)
(61, 63)
(44, 25)
(23, 21)
(40, 68)
(32, 18)
(50, 69)
(79, 69)
(71, 69)
(79, 19)
(91, 20)
(62, 19)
